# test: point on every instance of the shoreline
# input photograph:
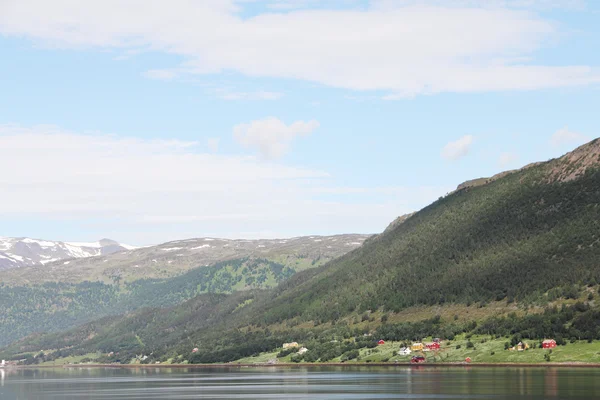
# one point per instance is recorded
(311, 365)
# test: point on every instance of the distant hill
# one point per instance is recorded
(65, 294)
(173, 258)
(24, 252)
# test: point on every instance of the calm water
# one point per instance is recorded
(302, 383)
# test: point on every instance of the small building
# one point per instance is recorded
(381, 342)
(417, 347)
(290, 345)
(195, 350)
(436, 340)
(404, 351)
(433, 346)
(522, 346)
(302, 350)
(549, 344)
(417, 360)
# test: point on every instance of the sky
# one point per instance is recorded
(146, 121)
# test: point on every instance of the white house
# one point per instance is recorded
(404, 351)
(3, 363)
(302, 350)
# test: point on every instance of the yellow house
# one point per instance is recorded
(417, 347)
(290, 345)
(522, 346)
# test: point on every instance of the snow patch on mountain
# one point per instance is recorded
(22, 252)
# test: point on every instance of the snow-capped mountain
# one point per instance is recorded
(21, 252)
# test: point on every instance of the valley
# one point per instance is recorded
(62, 295)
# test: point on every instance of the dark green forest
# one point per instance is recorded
(57, 306)
(514, 239)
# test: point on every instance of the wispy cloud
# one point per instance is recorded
(565, 136)
(146, 191)
(491, 4)
(457, 149)
(405, 50)
(270, 136)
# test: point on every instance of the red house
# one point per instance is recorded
(433, 346)
(549, 344)
(381, 342)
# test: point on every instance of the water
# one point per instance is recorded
(301, 383)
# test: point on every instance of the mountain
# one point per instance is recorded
(23, 252)
(66, 294)
(514, 255)
(174, 258)
(514, 237)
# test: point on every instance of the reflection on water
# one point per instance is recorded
(301, 383)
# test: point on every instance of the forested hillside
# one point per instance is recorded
(529, 239)
(61, 295)
(55, 306)
(513, 238)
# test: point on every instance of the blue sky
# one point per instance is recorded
(148, 121)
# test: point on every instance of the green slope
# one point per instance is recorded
(59, 306)
(514, 238)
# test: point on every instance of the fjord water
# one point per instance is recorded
(301, 383)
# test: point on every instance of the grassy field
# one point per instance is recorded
(262, 358)
(483, 351)
(70, 360)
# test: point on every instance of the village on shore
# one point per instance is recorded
(463, 349)
(418, 351)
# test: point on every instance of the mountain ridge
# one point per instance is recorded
(18, 252)
(175, 257)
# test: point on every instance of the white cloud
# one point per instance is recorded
(507, 158)
(419, 48)
(213, 144)
(490, 4)
(270, 136)
(148, 191)
(293, 4)
(457, 149)
(565, 136)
